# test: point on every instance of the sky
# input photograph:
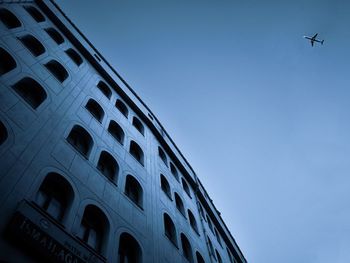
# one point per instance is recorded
(262, 117)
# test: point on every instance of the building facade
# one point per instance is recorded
(87, 172)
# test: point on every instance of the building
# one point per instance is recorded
(87, 172)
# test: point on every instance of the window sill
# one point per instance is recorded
(133, 203)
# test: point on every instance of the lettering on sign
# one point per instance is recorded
(35, 237)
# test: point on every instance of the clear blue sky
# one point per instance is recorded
(261, 115)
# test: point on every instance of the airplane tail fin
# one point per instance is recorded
(322, 42)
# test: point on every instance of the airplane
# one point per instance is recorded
(314, 39)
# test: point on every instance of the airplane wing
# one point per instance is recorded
(312, 43)
(314, 37)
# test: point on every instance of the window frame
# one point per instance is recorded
(118, 129)
(10, 63)
(108, 157)
(165, 186)
(131, 194)
(172, 236)
(6, 12)
(95, 109)
(77, 129)
(35, 96)
(137, 153)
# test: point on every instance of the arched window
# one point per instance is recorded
(122, 107)
(186, 248)
(33, 45)
(74, 56)
(94, 228)
(169, 229)
(218, 256)
(129, 249)
(134, 190)
(201, 210)
(95, 109)
(217, 236)
(55, 35)
(162, 155)
(179, 204)
(31, 91)
(3, 133)
(193, 221)
(173, 171)
(57, 70)
(81, 140)
(108, 166)
(104, 89)
(186, 187)
(211, 248)
(116, 131)
(230, 256)
(35, 13)
(136, 151)
(55, 195)
(7, 63)
(9, 19)
(199, 257)
(165, 185)
(210, 224)
(138, 125)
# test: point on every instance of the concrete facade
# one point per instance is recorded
(87, 172)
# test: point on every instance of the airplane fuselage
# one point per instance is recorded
(316, 40)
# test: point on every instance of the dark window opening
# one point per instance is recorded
(57, 70)
(74, 56)
(162, 155)
(169, 229)
(33, 45)
(218, 238)
(186, 187)
(55, 35)
(134, 190)
(94, 228)
(116, 131)
(122, 107)
(95, 109)
(129, 249)
(186, 248)
(211, 248)
(193, 221)
(199, 257)
(210, 224)
(179, 204)
(108, 166)
(81, 140)
(218, 256)
(136, 151)
(173, 171)
(7, 63)
(9, 19)
(35, 13)
(3, 133)
(201, 210)
(138, 125)
(55, 195)
(104, 89)
(165, 185)
(31, 91)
